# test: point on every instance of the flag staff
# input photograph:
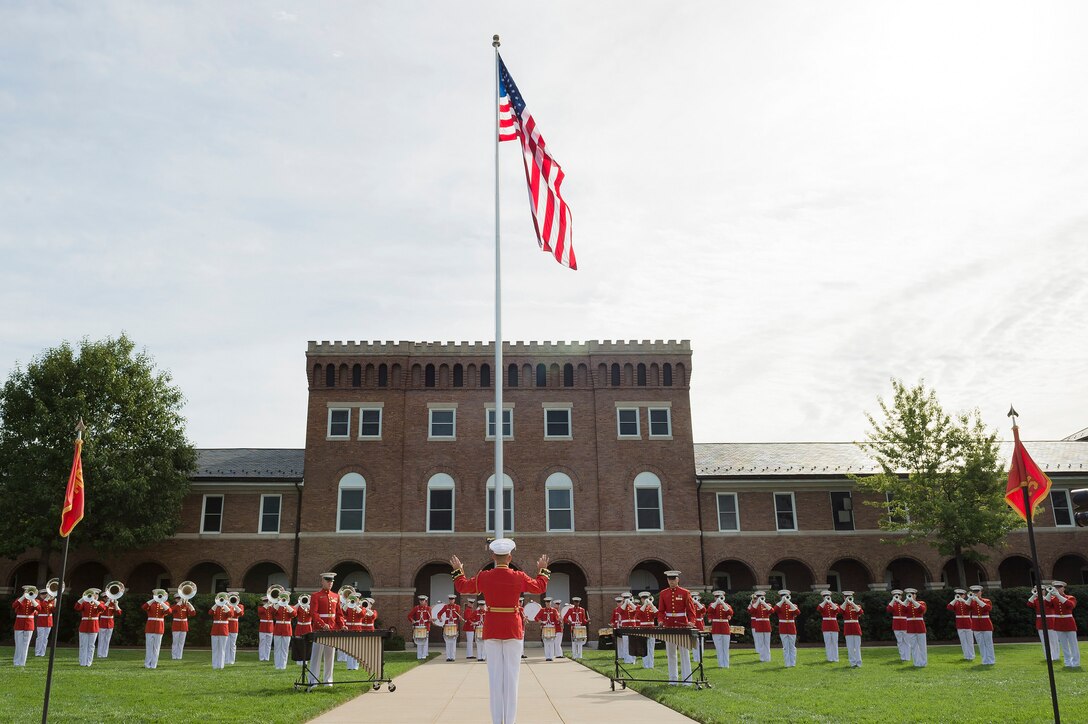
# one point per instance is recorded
(1018, 461)
(497, 377)
(80, 427)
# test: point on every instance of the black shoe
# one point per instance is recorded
(470, 657)
(524, 656)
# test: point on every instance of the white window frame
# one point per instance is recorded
(442, 481)
(489, 412)
(351, 485)
(371, 407)
(783, 584)
(559, 407)
(558, 481)
(648, 480)
(220, 577)
(650, 424)
(834, 581)
(442, 407)
(793, 508)
(489, 522)
(204, 509)
(736, 511)
(260, 515)
(1068, 506)
(637, 434)
(347, 426)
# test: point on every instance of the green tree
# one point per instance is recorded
(136, 458)
(942, 475)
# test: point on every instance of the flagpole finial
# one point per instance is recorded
(1013, 413)
(495, 41)
(80, 427)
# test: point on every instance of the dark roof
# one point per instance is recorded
(246, 463)
(1081, 435)
(813, 459)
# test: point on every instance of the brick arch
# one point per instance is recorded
(858, 579)
(926, 573)
(795, 570)
(130, 579)
(430, 472)
(557, 468)
(948, 572)
(738, 582)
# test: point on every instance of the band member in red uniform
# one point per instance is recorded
(470, 628)
(25, 608)
(898, 610)
(916, 627)
(961, 610)
(700, 625)
(981, 626)
(111, 611)
(787, 613)
(647, 617)
(46, 606)
(829, 626)
(180, 613)
(721, 616)
(503, 626)
(549, 620)
(265, 628)
(220, 613)
(327, 616)
(304, 622)
(89, 609)
(676, 609)
(370, 615)
(851, 615)
(420, 618)
(237, 610)
(156, 608)
(628, 618)
(353, 621)
(282, 613)
(760, 613)
(1041, 606)
(449, 614)
(481, 613)
(578, 620)
(1064, 625)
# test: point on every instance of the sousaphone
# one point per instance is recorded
(52, 588)
(114, 590)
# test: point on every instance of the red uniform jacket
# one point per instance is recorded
(353, 619)
(369, 619)
(449, 613)
(24, 613)
(236, 614)
(629, 614)
(898, 610)
(220, 620)
(617, 616)
(760, 613)
(548, 616)
(1059, 615)
(576, 616)
(980, 615)
(851, 624)
(89, 611)
(720, 616)
(962, 611)
(675, 608)
(156, 613)
(787, 615)
(109, 610)
(647, 617)
(304, 621)
(45, 613)
(502, 586)
(829, 616)
(420, 615)
(326, 612)
(916, 611)
(1034, 606)
(179, 614)
(470, 617)
(265, 623)
(700, 616)
(281, 617)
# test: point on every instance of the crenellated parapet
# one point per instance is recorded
(560, 348)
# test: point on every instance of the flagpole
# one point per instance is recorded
(80, 427)
(1019, 462)
(498, 375)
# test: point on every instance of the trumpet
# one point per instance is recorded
(30, 592)
(273, 592)
(222, 599)
(186, 590)
(346, 590)
(234, 599)
(114, 590)
(52, 588)
(304, 600)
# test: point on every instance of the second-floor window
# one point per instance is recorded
(784, 516)
(1063, 510)
(339, 422)
(507, 423)
(443, 424)
(842, 511)
(728, 516)
(557, 422)
(660, 422)
(627, 422)
(270, 513)
(370, 423)
(211, 517)
(351, 508)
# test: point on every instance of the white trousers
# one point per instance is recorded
(281, 646)
(648, 659)
(86, 648)
(152, 643)
(264, 646)
(685, 664)
(762, 640)
(503, 670)
(322, 655)
(551, 648)
(919, 654)
(470, 643)
(451, 647)
(104, 637)
(789, 649)
(22, 646)
(481, 650)
(621, 647)
(903, 644)
(853, 650)
(232, 647)
(831, 645)
(1067, 640)
(1052, 635)
(559, 641)
(697, 651)
(967, 643)
(423, 647)
(220, 644)
(177, 644)
(985, 641)
(41, 643)
(576, 648)
(721, 648)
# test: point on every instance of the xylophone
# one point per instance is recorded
(685, 640)
(366, 647)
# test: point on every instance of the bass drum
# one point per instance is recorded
(531, 610)
(434, 614)
(563, 610)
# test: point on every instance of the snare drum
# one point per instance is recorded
(578, 633)
(419, 633)
(547, 631)
(480, 631)
(450, 630)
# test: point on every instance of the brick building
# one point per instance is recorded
(601, 473)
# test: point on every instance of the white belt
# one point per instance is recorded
(719, 620)
(676, 615)
(266, 620)
(106, 618)
(832, 618)
(22, 616)
(903, 617)
(88, 618)
(327, 615)
(152, 618)
(965, 617)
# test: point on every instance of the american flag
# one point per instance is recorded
(551, 215)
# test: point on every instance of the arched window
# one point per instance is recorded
(641, 375)
(512, 376)
(559, 500)
(485, 375)
(615, 375)
(666, 375)
(507, 504)
(383, 375)
(648, 514)
(351, 503)
(541, 375)
(440, 489)
(428, 376)
(357, 376)
(330, 375)
(568, 375)
(458, 375)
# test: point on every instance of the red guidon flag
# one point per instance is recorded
(73, 496)
(1023, 472)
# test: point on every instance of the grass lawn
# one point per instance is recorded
(949, 689)
(121, 689)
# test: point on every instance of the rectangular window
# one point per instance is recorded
(842, 511)
(352, 507)
(783, 511)
(557, 422)
(507, 423)
(660, 422)
(211, 517)
(560, 509)
(507, 510)
(440, 509)
(896, 515)
(1063, 510)
(627, 422)
(648, 508)
(443, 424)
(270, 514)
(728, 518)
(370, 423)
(339, 422)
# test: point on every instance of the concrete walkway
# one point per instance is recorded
(554, 692)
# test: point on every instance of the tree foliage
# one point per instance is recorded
(943, 475)
(136, 458)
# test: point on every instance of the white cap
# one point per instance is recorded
(784, 592)
(618, 599)
(825, 593)
(547, 598)
(896, 590)
(717, 593)
(959, 590)
(760, 594)
(472, 600)
(672, 574)
(976, 587)
(910, 590)
(1059, 584)
(328, 576)
(502, 546)
(422, 597)
(627, 594)
(848, 593)
(576, 598)
(644, 594)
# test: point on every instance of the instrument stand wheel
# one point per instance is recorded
(623, 684)
(392, 688)
(377, 686)
(613, 685)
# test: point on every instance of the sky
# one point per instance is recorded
(820, 196)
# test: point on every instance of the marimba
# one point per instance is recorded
(366, 647)
(685, 640)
